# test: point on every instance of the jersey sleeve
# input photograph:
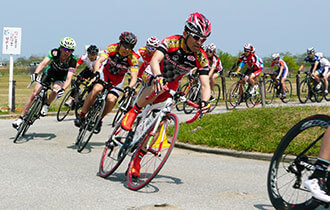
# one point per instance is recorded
(134, 62)
(202, 62)
(72, 64)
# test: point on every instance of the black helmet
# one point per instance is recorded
(93, 50)
(128, 39)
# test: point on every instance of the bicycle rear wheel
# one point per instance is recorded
(192, 95)
(318, 93)
(156, 156)
(110, 159)
(234, 97)
(288, 170)
(303, 91)
(185, 88)
(254, 99)
(269, 91)
(215, 97)
(86, 131)
(288, 91)
(63, 109)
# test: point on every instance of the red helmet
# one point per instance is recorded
(153, 41)
(198, 24)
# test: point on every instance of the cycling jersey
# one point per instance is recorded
(177, 62)
(58, 70)
(146, 60)
(254, 63)
(281, 63)
(85, 59)
(325, 65)
(312, 61)
(116, 65)
(215, 63)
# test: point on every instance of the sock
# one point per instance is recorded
(321, 167)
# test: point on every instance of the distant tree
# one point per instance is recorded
(290, 62)
(227, 59)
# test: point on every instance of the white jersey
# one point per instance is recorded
(324, 62)
(89, 64)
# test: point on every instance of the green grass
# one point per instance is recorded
(257, 130)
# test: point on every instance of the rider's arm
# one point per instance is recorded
(133, 78)
(42, 65)
(280, 73)
(155, 62)
(315, 66)
(301, 67)
(98, 63)
(206, 90)
(68, 79)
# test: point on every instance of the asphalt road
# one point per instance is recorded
(46, 172)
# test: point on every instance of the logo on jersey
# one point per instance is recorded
(191, 58)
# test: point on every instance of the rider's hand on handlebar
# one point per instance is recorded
(159, 83)
(127, 90)
(97, 75)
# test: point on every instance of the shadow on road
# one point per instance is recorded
(263, 206)
(88, 148)
(30, 136)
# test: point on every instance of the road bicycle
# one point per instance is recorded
(127, 102)
(76, 96)
(192, 90)
(93, 116)
(273, 88)
(293, 162)
(155, 132)
(33, 112)
(307, 89)
(234, 97)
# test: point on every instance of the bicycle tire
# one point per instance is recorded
(63, 109)
(234, 95)
(269, 91)
(28, 118)
(216, 97)
(327, 97)
(254, 99)
(110, 159)
(122, 109)
(80, 102)
(288, 91)
(318, 93)
(158, 154)
(284, 163)
(93, 117)
(303, 91)
(192, 95)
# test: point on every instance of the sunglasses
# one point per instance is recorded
(67, 50)
(197, 38)
(151, 48)
(128, 46)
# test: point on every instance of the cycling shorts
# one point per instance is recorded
(284, 73)
(49, 79)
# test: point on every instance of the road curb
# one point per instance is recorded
(228, 152)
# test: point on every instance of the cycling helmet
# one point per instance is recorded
(153, 41)
(248, 47)
(128, 38)
(310, 50)
(275, 56)
(211, 47)
(319, 54)
(93, 50)
(198, 24)
(68, 43)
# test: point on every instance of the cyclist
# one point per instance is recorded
(316, 183)
(255, 66)
(324, 71)
(282, 71)
(61, 67)
(117, 59)
(146, 53)
(176, 56)
(215, 64)
(88, 72)
(314, 60)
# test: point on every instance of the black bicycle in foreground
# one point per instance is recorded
(293, 162)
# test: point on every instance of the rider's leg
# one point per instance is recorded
(97, 88)
(283, 85)
(111, 101)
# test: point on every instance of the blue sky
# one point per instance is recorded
(271, 26)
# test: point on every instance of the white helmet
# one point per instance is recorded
(248, 48)
(319, 54)
(153, 41)
(211, 47)
(275, 56)
(310, 50)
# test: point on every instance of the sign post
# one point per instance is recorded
(11, 45)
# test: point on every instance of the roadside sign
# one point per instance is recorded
(12, 39)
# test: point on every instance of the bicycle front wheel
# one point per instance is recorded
(215, 97)
(234, 98)
(288, 91)
(79, 101)
(303, 91)
(86, 131)
(269, 91)
(192, 95)
(111, 159)
(64, 109)
(156, 156)
(288, 168)
(185, 88)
